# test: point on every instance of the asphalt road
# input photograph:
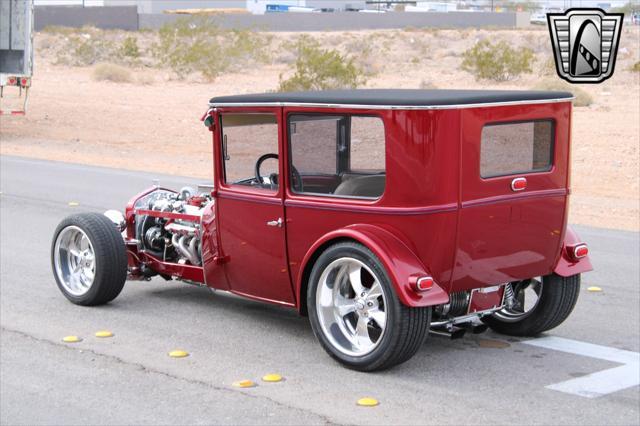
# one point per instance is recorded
(129, 379)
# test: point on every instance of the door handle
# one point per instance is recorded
(277, 223)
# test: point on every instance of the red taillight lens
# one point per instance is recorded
(424, 284)
(518, 184)
(11, 80)
(24, 82)
(579, 251)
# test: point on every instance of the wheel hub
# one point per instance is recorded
(74, 260)
(351, 306)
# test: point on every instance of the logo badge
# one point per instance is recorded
(585, 43)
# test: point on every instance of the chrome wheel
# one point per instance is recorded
(521, 298)
(74, 260)
(351, 306)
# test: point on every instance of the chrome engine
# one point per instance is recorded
(172, 238)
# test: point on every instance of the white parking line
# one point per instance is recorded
(600, 383)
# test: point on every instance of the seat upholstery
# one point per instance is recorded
(362, 186)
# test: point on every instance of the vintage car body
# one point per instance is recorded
(435, 222)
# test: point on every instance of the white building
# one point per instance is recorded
(260, 6)
(253, 6)
(432, 6)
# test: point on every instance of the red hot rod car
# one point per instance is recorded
(383, 215)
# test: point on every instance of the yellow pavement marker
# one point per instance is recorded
(104, 333)
(367, 402)
(73, 204)
(178, 353)
(594, 289)
(243, 384)
(71, 339)
(272, 378)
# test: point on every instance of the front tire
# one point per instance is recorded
(355, 313)
(89, 259)
(555, 298)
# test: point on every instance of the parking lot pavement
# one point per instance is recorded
(129, 378)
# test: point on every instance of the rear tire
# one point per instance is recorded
(557, 299)
(89, 259)
(377, 331)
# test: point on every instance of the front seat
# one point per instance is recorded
(362, 186)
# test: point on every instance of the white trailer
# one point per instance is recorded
(16, 49)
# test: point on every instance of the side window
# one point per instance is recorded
(337, 155)
(514, 148)
(313, 143)
(246, 138)
(367, 145)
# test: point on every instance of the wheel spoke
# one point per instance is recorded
(362, 333)
(88, 273)
(355, 273)
(344, 306)
(380, 317)
(84, 243)
(374, 292)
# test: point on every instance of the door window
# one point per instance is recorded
(337, 155)
(516, 148)
(246, 141)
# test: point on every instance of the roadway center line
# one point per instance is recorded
(596, 384)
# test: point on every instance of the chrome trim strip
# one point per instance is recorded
(373, 209)
(557, 192)
(385, 107)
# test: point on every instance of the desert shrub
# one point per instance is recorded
(547, 66)
(144, 79)
(85, 49)
(199, 45)
(321, 69)
(111, 72)
(636, 67)
(58, 29)
(129, 48)
(582, 98)
(498, 62)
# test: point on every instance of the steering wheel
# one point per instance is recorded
(296, 178)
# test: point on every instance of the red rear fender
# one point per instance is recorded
(399, 261)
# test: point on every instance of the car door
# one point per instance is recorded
(251, 213)
(514, 192)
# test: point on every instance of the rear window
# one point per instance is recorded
(516, 148)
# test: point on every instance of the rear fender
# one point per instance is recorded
(399, 261)
(567, 265)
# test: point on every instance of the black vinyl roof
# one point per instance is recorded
(396, 97)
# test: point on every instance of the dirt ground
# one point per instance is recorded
(153, 124)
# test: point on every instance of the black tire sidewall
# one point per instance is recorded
(554, 306)
(384, 349)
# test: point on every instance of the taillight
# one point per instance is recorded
(579, 251)
(423, 284)
(519, 184)
(24, 82)
(11, 80)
